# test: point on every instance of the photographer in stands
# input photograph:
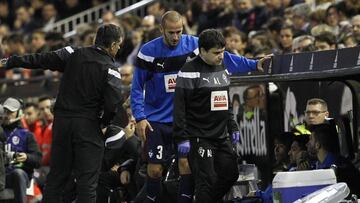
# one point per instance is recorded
(21, 150)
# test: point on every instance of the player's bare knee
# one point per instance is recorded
(184, 167)
(154, 170)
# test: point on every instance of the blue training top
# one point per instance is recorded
(156, 69)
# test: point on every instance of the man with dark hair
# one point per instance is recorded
(235, 40)
(286, 38)
(45, 106)
(203, 81)
(299, 159)
(325, 41)
(31, 121)
(90, 84)
(282, 144)
(324, 144)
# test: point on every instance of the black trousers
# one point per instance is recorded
(77, 147)
(214, 168)
(107, 181)
(110, 181)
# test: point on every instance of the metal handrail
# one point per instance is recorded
(134, 7)
(91, 15)
(130, 8)
(120, 7)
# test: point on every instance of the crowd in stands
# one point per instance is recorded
(252, 28)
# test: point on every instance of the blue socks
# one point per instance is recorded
(153, 188)
(186, 189)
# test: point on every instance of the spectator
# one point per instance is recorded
(27, 156)
(333, 19)
(31, 121)
(108, 17)
(286, 38)
(349, 7)
(355, 22)
(15, 46)
(148, 23)
(325, 41)
(36, 9)
(126, 72)
(349, 40)
(299, 160)
(151, 34)
(190, 19)
(261, 52)
(248, 16)
(38, 42)
(24, 22)
(88, 37)
(45, 108)
(38, 45)
(260, 40)
(55, 40)
(235, 40)
(130, 22)
(303, 43)
(68, 8)
(215, 15)
(273, 27)
(301, 19)
(317, 17)
(137, 37)
(157, 10)
(49, 16)
(282, 144)
(6, 14)
(320, 29)
(274, 8)
(4, 31)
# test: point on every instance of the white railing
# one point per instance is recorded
(120, 7)
(91, 15)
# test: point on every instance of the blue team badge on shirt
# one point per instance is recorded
(150, 153)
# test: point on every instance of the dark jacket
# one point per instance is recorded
(22, 140)
(90, 83)
(201, 105)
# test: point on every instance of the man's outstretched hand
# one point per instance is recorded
(260, 63)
